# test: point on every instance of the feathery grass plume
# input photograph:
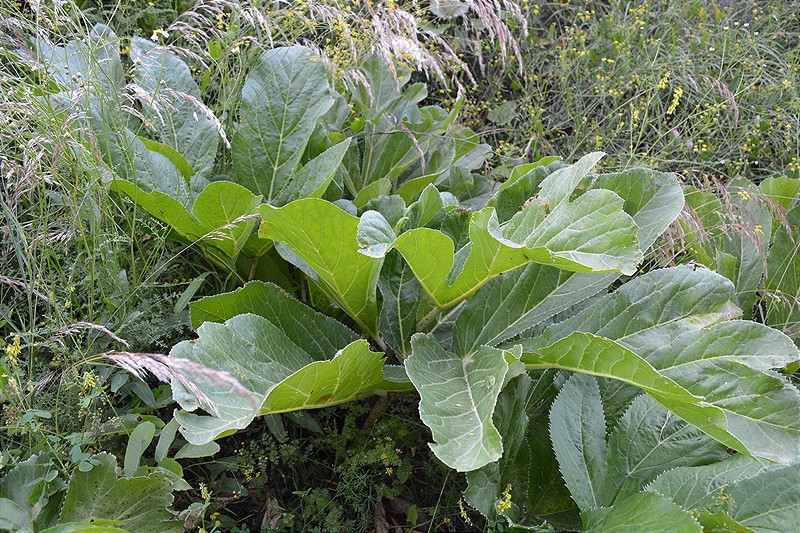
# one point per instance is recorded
(21, 285)
(78, 326)
(166, 368)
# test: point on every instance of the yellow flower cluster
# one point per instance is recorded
(677, 94)
(504, 504)
(13, 351)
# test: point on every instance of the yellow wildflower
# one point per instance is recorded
(676, 99)
(504, 504)
(13, 351)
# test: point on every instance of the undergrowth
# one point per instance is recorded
(706, 89)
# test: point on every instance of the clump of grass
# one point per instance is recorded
(691, 86)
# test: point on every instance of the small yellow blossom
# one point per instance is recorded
(389, 470)
(89, 380)
(662, 83)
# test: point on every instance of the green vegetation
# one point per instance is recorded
(290, 267)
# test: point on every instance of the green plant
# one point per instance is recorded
(465, 335)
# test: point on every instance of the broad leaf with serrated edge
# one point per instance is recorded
(766, 503)
(661, 316)
(590, 354)
(647, 441)
(699, 487)
(646, 511)
(578, 434)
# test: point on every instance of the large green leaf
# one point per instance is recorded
(513, 303)
(140, 503)
(285, 94)
(313, 179)
(221, 221)
(766, 503)
(662, 318)
(590, 234)
(174, 107)
(652, 307)
(578, 434)
(558, 186)
(590, 354)
(457, 401)
(487, 483)
(747, 240)
(314, 332)
(130, 157)
(653, 199)
(782, 190)
(26, 500)
(402, 295)
(279, 370)
(646, 511)
(97, 56)
(520, 300)
(324, 237)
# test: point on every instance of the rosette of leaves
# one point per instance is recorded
(295, 137)
(487, 314)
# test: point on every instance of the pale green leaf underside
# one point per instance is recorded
(664, 318)
(587, 353)
(590, 234)
(517, 301)
(140, 503)
(280, 375)
(457, 400)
